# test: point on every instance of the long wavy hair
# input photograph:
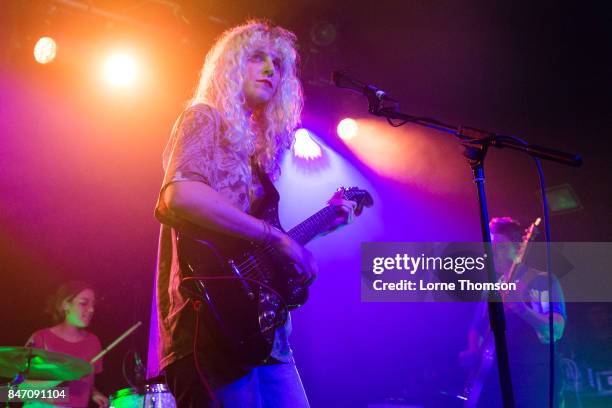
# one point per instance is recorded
(268, 133)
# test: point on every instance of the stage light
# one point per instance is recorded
(45, 50)
(323, 33)
(347, 129)
(305, 147)
(120, 69)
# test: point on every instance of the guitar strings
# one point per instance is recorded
(250, 265)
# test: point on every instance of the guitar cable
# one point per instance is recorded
(255, 281)
(551, 334)
(197, 305)
(551, 330)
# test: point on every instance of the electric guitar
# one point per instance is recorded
(475, 382)
(246, 290)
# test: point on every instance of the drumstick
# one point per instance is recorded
(114, 343)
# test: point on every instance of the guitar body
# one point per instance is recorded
(247, 290)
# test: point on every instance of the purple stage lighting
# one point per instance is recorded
(305, 147)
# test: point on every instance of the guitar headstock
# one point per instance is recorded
(530, 234)
(532, 231)
(359, 196)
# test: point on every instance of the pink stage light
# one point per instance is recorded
(305, 147)
(347, 129)
(45, 50)
(120, 69)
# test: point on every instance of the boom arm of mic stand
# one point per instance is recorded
(475, 136)
(546, 153)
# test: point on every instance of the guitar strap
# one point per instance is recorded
(266, 207)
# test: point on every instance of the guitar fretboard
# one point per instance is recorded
(313, 226)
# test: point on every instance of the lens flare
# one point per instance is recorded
(45, 50)
(120, 69)
(347, 129)
(305, 147)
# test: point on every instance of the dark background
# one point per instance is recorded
(81, 163)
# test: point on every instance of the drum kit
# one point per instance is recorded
(26, 363)
(151, 396)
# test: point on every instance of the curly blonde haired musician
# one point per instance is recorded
(235, 129)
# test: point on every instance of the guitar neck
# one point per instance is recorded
(522, 250)
(313, 226)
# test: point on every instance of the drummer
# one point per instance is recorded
(72, 309)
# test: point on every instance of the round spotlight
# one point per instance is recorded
(347, 129)
(45, 50)
(305, 147)
(323, 33)
(120, 69)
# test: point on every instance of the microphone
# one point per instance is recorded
(342, 80)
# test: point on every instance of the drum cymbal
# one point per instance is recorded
(44, 365)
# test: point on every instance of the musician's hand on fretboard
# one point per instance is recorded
(345, 210)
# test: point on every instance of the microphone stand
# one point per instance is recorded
(476, 143)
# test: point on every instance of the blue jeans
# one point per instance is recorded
(266, 386)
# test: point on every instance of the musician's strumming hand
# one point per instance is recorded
(514, 300)
(301, 257)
